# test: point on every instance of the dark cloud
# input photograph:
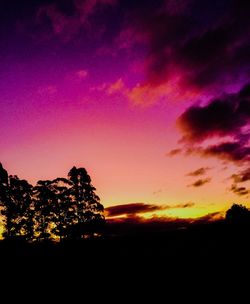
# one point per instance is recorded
(225, 119)
(200, 171)
(67, 18)
(133, 208)
(138, 208)
(202, 41)
(200, 182)
(233, 151)
(224, 116)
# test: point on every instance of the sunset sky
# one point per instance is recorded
(151, 97)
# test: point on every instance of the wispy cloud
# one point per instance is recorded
(198, 172)
(138, 208)
(242, 176)
(239, 190)
(200, 182)
(82, 74)
(174, 152)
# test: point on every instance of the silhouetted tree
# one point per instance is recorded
(44, 200)
(16, 201)
(6, 203)
(22, 217)
(238, 214)
(63, 211)
(63, 208)
(88, 211)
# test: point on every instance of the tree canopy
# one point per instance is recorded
(63, 208)
(238, 214)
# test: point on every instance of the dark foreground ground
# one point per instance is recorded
(197, 259)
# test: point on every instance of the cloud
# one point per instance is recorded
(242, 176)
(226, 120)
(174, 152)
(210, 217)
(143, 95)
(200, 182)
(223, 116)
(239, 178)
(200, 171)
(148, 94)
(139, 208)
(67, 20)
(82, 74)
(233, 151)
(202, 43)
(133, 208)
(185, 205)
(239, 190)
(116, 87)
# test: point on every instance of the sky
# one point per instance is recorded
(152, 97)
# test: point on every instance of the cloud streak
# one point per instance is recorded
(198, 172)
(200, 182)
(239, 190)
(174, 152)
(139, 208)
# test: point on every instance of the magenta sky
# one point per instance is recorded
(150, 97)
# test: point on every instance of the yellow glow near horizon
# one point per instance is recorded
(182, 213)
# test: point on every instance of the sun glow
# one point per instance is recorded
(192, 213)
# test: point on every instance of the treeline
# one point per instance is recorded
(63, 208)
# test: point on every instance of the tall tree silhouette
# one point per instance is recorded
(88, 211)
(44, 200)
(63, 211)
(16, 203)
(22, 211)
(6, 203)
